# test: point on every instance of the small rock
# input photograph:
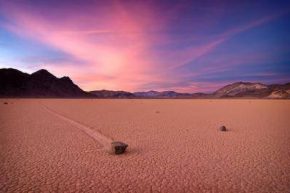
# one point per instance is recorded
(223, 128)
(119, 147)
(5, 103)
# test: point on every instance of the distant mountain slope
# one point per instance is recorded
(147, 94)
(243, 89)
(280, 91)
(255, 90)
(280, 86)
(163, 94)
(279, 94)
(111, 94)
(14, 83)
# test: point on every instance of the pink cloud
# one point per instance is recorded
(119, 54)
(114, 44)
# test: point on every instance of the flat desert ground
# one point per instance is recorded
(174, 145)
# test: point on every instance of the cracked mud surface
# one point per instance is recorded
(179, 149)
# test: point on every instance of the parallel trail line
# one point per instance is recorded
(100, 138)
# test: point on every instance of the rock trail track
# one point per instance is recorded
(100, 138)
(180, 149)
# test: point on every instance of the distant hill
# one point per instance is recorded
(279, 91)
(149, 94)
(112, 94)
(14, 83)
(243, 89)
(235, 90)
(253, 90)
(164, 94)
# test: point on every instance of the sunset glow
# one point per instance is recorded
(186, 46)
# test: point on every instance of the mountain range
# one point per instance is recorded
(14, 83)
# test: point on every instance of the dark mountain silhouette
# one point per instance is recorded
(14, 83)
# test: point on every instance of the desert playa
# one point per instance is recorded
(174, 145)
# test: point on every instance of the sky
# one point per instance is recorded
(140, 45)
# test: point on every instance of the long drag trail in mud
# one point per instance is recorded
(103, 140)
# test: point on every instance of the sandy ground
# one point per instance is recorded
(174, 146)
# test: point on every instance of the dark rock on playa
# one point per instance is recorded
(119, 147)
(5, 103)
(223, 128)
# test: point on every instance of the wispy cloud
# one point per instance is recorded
(195, 52)
(129, 46)
(119, 55)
